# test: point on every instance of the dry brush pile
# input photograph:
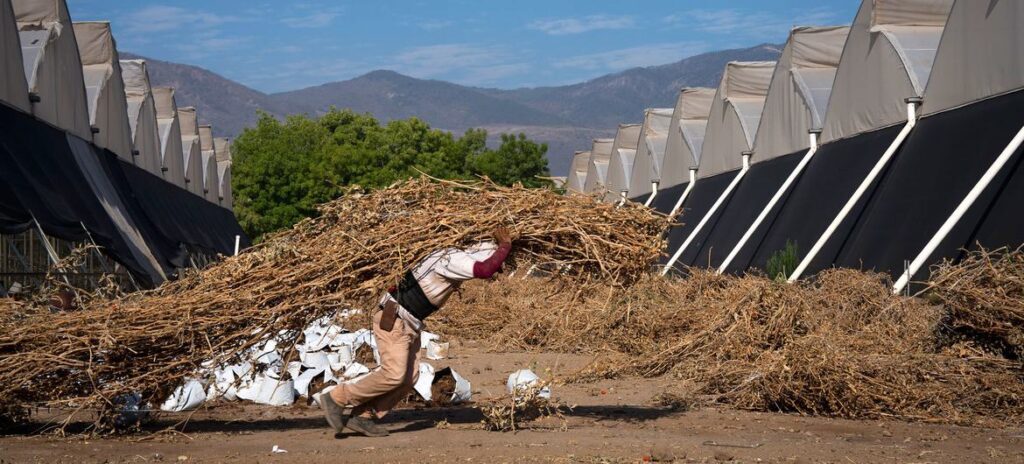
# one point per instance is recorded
(358, 246)
(839, 345)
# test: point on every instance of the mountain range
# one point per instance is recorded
(565, 117)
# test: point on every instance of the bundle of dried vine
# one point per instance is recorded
(984, 293)
(840, 345)
(358, 246)
(514, 412)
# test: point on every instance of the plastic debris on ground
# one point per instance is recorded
(522, 380)
(326, 357)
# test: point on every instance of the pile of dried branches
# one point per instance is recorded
(359, 245)
(514, 412)
(984, 294)
(840, 345)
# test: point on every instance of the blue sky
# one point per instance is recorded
(287, 45)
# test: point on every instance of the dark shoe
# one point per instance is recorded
(367, 427)
(335, 414)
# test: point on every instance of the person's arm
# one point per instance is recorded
(487, 268)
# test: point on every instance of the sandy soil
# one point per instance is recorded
(613, 421)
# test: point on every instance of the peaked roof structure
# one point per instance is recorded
(799, 92)
(142, 115)
(577, 177)
(735, 116)
(104, 88)
(52, 68)
(172, 162)
(620, 164)
(685, 137)
(191, 151)
(223, 147)
(980, 55)
(971, 113)
(597, 169)
(650, 149)
(13, 88)
(211, 179)
(887, 58)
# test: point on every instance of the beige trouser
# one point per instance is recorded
(381, 389)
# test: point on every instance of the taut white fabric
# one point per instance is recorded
(142, 115)
(577, 177)
(13, 88)
(191, 151)
(223, 147)
(650, 150)
(600, 154)
(981, 54)
(735, 116)
(685, 137)
(172, 164)
(104, 88)
(52, 68)
(211, 179)
(621, 160)
(799, 92)
(887, 58)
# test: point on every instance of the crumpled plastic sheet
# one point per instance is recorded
(523, 379)
(326, 352)
(463, 389)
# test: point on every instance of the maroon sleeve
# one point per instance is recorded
(486, 268)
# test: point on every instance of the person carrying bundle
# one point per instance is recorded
(397, 325)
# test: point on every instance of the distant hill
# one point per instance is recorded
(566, 117)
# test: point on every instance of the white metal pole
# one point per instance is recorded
(861, 189)
(686, 192)
(961, 209)
(238, 239)
(771, 203)
(709, 214)
(654, 193)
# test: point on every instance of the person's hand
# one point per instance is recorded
(502, 235)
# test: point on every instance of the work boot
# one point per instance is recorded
(367, 427)
(336, 415)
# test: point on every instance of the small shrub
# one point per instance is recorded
(782, 263)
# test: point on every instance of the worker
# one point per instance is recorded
(359, 404)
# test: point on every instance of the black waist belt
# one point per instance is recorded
(411, 297)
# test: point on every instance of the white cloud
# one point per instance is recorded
(568, 26)
(625, 58)
(160, 18)
(753, 24)
(434, 25)
(312, 20)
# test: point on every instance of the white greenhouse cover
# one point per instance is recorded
(104, 88)
(600, 154)
(170, 136)
(685, 137)
(887, 58)
(798, 96)
(223, 147)
(191, 151)
(981, 54)
(13, 88)
(211, 179)
(620, 163)
(650, 150)
(53, 70)
(142, 115)
(577, 177)
(735, 116)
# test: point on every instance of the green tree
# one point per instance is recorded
(518, 159)
(284, 169)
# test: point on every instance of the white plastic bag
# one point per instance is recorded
(523, 379)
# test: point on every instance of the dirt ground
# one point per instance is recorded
(613, 421)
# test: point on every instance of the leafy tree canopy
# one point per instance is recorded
(283, 169)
